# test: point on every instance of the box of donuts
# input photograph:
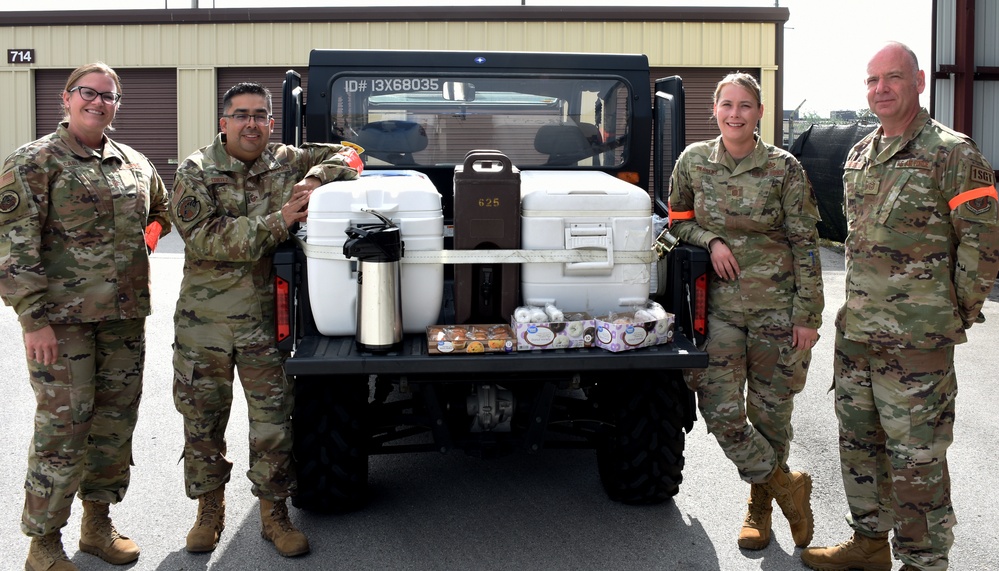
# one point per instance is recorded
(642, 327)
(470, 339)
(537, 328)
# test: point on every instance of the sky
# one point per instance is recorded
(826, 44)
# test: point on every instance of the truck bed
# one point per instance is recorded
(339, 356)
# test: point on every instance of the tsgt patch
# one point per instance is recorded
(188, 209)
(9, 201)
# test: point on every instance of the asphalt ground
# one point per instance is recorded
(545, 511)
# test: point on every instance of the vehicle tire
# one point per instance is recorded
(331, 438)
(642, 460)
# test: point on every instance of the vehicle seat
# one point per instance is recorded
(564, 144)
(393, 141)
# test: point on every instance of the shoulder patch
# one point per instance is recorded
(7, 178)
(979, 174)
(9, 201)
(188, 209)
(978, 206)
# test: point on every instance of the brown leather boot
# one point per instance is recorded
(204, 536)
(793, 493)
(46, 554)
(755, 532)
(859, 552)
(277, 528)
(99, 537)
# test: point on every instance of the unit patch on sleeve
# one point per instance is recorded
(9, 201)
(188, 209)
(978, 206)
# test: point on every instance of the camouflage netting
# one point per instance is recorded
(822, 150)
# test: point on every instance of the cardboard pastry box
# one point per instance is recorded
(472, 339)
(576, 331)
(622, 332)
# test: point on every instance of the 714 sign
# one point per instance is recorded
(21, 56)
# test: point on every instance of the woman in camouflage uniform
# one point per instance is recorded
(74, 265)
(750, 204)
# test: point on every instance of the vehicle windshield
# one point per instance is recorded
(555, 121)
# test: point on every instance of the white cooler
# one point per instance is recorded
(590, 211)
(413, 203)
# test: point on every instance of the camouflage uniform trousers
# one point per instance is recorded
(896, 419)
(87, 407)
(205, 356)
(746, 393)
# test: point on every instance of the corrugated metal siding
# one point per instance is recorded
(270, 77)
(146, 120)
(18, 120)
(283, 44)
(985, 120)
(190, 49)
(986, 111)
(986, 39)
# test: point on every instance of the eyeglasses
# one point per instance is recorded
(109, 97)
(245, 117)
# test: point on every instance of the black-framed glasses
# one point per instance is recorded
(259, 119)
(109, 97)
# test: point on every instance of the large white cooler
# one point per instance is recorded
(413, 203)
(580, 210)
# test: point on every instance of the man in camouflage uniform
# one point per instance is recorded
(922, 253)
(233, 203)
(74, 208)
(750, 204)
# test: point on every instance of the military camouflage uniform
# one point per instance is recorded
(922, 253)
(764, 210)
(229, 215)
(73, 256)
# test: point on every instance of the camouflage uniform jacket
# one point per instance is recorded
(229, 215)
(765, 211)
(923, 241)
(72, 248)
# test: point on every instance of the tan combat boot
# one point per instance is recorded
(860, 552)
(46, 554)
(755, 532)
(793, 493)
(204, 536)
(99, 537)
(277, 528)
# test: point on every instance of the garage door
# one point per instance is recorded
(270, 77)
(699, 91)
(146, 120)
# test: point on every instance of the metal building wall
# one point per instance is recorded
(984, 126)
(197, 51)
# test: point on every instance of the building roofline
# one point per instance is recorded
(394, 14)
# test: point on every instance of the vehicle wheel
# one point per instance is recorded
(331, 438)
(642, 460)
